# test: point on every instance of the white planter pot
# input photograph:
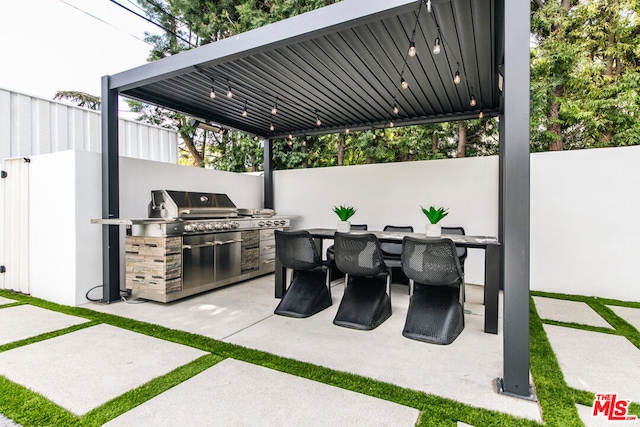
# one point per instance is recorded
(434, 230)
(344, 226)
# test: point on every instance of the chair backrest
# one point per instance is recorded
(358, 254)
(359, 227)
(431, 261)
(297, 250)
(462, 252)
(394, 249)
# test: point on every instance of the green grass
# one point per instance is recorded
(556, 398)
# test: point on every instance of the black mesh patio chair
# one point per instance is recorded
(366, 302)
(461, 252)
(436, 312)
(392, 252)
(309, 291)
(333, 270)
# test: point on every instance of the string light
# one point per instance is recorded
(229, 93)
(318, 122)
(412, 48)
(274, 110)
(436, 46)
(472, 101)
(212, 94)
(395, 109)
(271, 127)
(390, 124)
(346, 130)
(429, 6)
(456, 77)
(481, 115)
(244, 112)
(404, 84)
(290, 136)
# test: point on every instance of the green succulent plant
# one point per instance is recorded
(434, 215)
(344, 212)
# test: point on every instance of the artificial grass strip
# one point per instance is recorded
(28, 408)
(139, 395)
(11, 304)
(46, 336)
(435, 410)
(554, 395)
(589, 328)
(587, 299)
(622, 326)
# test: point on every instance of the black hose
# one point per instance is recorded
(91, 299)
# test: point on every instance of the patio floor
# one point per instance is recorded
(247, 394)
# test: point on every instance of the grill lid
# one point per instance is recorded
(186, 204)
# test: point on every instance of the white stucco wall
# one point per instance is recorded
(392, 194)
(584, 222)
(583, 211)
(65, 254)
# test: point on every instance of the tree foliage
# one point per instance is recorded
(81, 99)
(585, 87)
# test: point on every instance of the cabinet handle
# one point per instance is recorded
(197, 246)
(269, 261)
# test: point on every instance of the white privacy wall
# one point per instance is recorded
(584, 210)
(392, 194)
(65, 259)
(585, 214)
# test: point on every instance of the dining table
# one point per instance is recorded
(490, 245)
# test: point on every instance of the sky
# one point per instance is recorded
(50, 45)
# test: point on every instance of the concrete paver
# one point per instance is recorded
(84, 369)
(235, 393)
(4, 301)
(25, 321)
(568, 311)
(631, 315)
(597, 362)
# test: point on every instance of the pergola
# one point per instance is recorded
(347, 67)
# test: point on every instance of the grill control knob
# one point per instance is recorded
(235, 224)
(200, 227)
(209, 226)
(188, 228)
(261, 224)
(276, 222)
(226, 226)
(269, 223)
(218, 226)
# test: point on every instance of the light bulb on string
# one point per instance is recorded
(436, 46)
(274, 110)
(472, 101)
(229, 93)
(456, 77)
(244, 112)
(481, 115)
(404, 84)
(412, 48)
(271, 127)
(390, 124)
(346, 130)
(318, 122)
(395, 109)
(212, 94)
(429, 6)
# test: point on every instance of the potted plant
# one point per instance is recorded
(344, 213)
(434, 216)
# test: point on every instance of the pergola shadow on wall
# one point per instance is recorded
(348, 67)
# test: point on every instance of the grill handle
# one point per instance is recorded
(228, 242)
(197, 246)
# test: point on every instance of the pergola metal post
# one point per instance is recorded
(268, 174)
(110, 193)
(515, 199)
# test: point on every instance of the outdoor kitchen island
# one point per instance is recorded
(195, 242)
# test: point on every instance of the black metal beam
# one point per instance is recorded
(515, 200)
(268, 174)
(110, 193)
(298, 28)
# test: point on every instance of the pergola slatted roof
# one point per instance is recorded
(347, 73)
(345, 61)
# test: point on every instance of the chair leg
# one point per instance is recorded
(411, 285)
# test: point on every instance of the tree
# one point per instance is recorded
(81, 99)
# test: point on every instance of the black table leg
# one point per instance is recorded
(491, 288)
(280, 280)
